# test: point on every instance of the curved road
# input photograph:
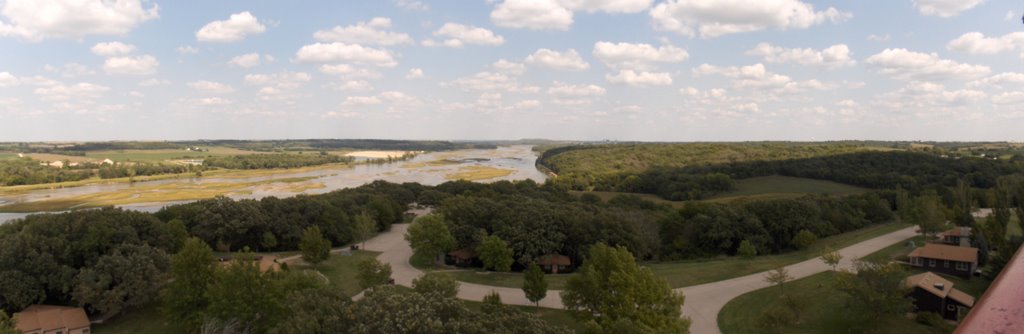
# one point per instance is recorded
(703, 302)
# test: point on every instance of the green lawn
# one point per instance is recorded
(8, 155)
(822, 311)
(342, 270)
(147, 320)
(552, 316)
(687, 273)
(774, 187)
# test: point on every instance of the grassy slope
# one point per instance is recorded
(342, 270)
(821, 313)
(687, 273)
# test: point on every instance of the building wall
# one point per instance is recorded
(924, 301)
(948, 267)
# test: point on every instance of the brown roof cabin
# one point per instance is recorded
(52, 319)
(959, 236)
(952, 260)
(554, 263)
(462, 257)
(933, 293)
(265, 262)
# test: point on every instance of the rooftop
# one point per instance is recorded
(946, 252)
(50, 317)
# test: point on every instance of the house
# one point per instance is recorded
(554, 263)
(958, 236)
(52, 319)
(463, 257)
(947, 259)
(933, 293)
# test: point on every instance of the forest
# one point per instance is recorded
(270, 161)
(14, 172)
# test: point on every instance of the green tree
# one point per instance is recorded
(926, 212)
(429, 237)
(373, 273)
(876, 289)
(314, 247)
(242, 296)
(269, 240)
(534, 285)
(831, 257)
(7, 325)
(611, 288)
(318, 310)
(439, 283)
(184, 298)
(778, 276)
(746, 250)
(803, 239)
(130, 277)
(495, 253)
(363, 228)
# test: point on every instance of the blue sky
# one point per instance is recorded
(656, 70)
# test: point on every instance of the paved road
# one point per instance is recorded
(703, 302)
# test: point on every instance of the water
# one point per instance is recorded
(520, 159)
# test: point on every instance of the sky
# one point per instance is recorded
(647, 70)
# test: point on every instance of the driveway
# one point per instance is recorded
(703, 302)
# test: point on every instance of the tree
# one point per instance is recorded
(534, 285)
(363, 228)
(130, 277)
(493, 299)
(495, 253)
(314, 247)
(611, 288)
(373, 273)
(240, 294)
(876, 289)
(926, 212)
(779, 276)
(429, 237)
(318, 310)
(831, 257)
(269, 240)
(7, 325)
(437, 283)
(803, 239)
(746, 250)
(184, 298)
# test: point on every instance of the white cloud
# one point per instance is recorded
(345, 53)
(211, 87)
(977, 43)
(637, 56)
(716, 18)
(1014, 98)
(355, 86)
(832, 57)
(879, 38)
(945, 8)
(186, 50)
(250, 60)
(456, 35)
(998, 80)
(61, 92)
(569, 60)
(237, 27)
(112, 49)
(757, 77)
(349, 71)
(35, 20)
(641, 79)
(490, 81)
(211, 101)
(415, 73)
(507, 67)
(8, 80)
(527, 105)
(908, 65)
(70, 70)
(281, 80)
(531, 14)
(153, 82)
(391, 101)
(607, 6)
(574, 95)
(1010, 16)
(411, 5)
(140, 65)
(373, 32)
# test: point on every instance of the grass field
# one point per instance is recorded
(159, 193)
(772, 187)
(342, 270)
(8, 155)
(475, 173)
(687, 273)
(822, 311)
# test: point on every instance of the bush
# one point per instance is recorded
(932, 319)
(803, 239)
(776, 318)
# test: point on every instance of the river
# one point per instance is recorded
(423, 169)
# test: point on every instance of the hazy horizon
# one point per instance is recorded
(666, 70)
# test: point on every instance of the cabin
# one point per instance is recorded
(52, 319)
(554, 263)
(932, 293)
(462, 257)
(947, 259)
(958, 236)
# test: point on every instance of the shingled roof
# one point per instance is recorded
(928, 281)
(946, 252)
(48, 318)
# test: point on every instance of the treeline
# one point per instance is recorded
(140, 169)
(269, 161)
(272, 224)
(106, 260)
(16, 172)
(335, 144)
